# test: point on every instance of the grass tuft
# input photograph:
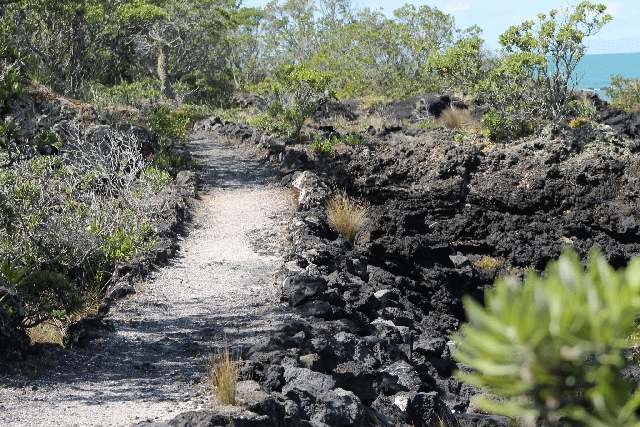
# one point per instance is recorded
(346, 215)
(487, 263)
(223, 376)
(456, 118)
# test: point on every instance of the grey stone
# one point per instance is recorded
(299, 288)
(305, 379)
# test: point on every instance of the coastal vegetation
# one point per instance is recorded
(552, 348)
(625, 93)
(126, 80)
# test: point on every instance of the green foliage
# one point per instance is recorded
(551, 349)
(513, 98)
(625, 93)
(134, 94)
(503, 126)
(47, 294)
(535, 78)
(583, 108)
(293, 95)
(557, 41)
(124, 243)
(156, 178)
(75, 46)
(172, 125)
(364, 52)
(65, 220)
(460, 67)
(326, 145)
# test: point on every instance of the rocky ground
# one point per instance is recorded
(152, 363)
(445, 219)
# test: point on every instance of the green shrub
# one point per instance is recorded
(126, 93)
(460, 67)
(326, 145)
(125, 242)
(583, 109)
(625, 93)
(514, 98)
(155, 178)
(66, 220)
(551, 349)
(47, 294)
(172, 126)
(535, 78)
(293, 95)
(557, 42)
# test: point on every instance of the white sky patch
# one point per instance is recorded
(457, 6)
(613, 7)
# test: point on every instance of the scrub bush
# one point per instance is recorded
(552, 349)
(625, 93)
(292, 96)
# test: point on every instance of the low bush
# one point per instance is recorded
(460, 67)
(534, 80)
(552, 349)
(346, 215)
(624, 93)
(136, 94)
(326, 145)
(173, 127)
(513, 97)
(292, 96)
(67, 218)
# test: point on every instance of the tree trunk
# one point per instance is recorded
(166, 91)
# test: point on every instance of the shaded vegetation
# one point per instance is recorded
(552, 349)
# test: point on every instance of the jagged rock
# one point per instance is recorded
(307, 380)
(428, 410)
(213, 419)
(119, 290)
(389, 413)
(340, 408)
(256, 400)
(301, 287)
(80, 332)
(364, 381)
(310, 189)
(292, 159)
(401, 376)
(429, 345)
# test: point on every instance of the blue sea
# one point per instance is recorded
(595, 71)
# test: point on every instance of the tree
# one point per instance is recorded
(460, 67)
(558, 40)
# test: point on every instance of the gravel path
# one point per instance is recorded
(220, 287)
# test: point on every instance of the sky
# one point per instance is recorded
(495, 16)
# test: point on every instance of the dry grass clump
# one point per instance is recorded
(346, 215)
(487, 263)
(224, 373)
(456, 118)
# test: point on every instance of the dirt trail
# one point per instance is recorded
(152, 365)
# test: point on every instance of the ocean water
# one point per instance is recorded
(595, 71)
